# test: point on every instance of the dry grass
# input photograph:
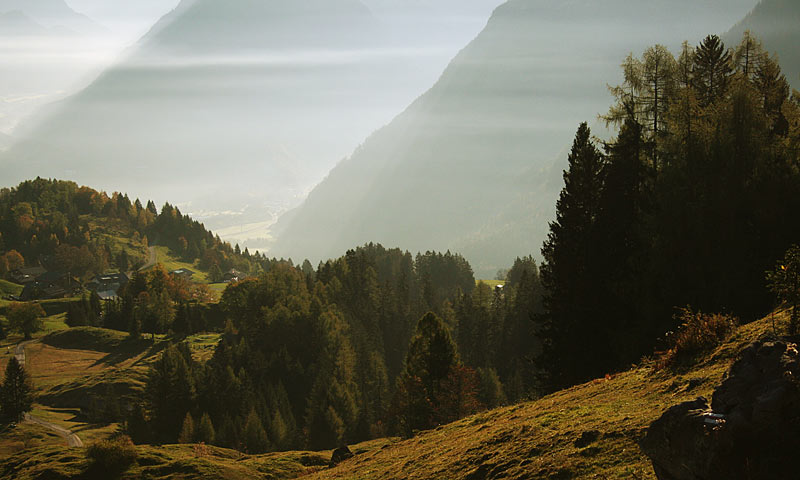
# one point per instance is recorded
(26, 436)
(538, 439)
(164, 462)
(52, 366)
(71, 366)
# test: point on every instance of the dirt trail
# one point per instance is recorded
(151, 260)
(70, 437)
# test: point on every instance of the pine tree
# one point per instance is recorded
(215, 274)
(187, 434)
(205, 430)
(170, 391)
(16, 393)
(568, 272)
(255, 437)
(431, 358)
(712, 70)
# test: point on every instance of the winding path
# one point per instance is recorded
(153, 258)
(70, 437)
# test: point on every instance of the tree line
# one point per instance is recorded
(377, 342)
(78, 229)
(689, 204)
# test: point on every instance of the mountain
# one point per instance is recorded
(252, 25)
(234, 109)
(52, 13)
(17, 24)
(474, 164)
(776, 23)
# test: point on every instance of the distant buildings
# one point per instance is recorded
(107, 286)
(233, 275)
(25, 276)
(183, 273)
(49, 285)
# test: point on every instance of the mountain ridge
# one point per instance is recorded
(489, 136)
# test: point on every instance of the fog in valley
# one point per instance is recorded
(51, 49)
(236, 110)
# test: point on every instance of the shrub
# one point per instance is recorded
(109, 458)
(698, 333)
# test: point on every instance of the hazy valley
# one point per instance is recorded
(399, 239)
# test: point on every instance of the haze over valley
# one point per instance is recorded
(399, 239)
(248, 103)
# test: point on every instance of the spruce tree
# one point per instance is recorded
(255, 437)
(568, 274)
(712, 70)
(16, 393)
(204, 433)
(187, 429)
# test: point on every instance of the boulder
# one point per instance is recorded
(340, 455)
(750, 431)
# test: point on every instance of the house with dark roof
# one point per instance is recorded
(51, 285)
(233, 275)
(107, 286)
(183, 273)
(24, 276)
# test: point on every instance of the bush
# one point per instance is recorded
(698, 333)
(110, 458)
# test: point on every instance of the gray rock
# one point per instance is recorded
(752, 431)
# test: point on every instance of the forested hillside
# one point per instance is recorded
(473, 164)
(62, 226)
(775, 23)
(690, 204)
(344, 354)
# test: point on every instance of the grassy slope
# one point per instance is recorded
(172, 262)
(25, 437)
(537, 439)
(529, 440)
(70, 366)
(169, 461)
(8, 288)
(491, 283)
(118, 237)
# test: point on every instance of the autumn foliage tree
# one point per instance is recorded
(25, 318)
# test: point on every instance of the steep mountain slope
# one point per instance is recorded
(469, 165)
(777, 24)
(16, 23)
(52, 13)
(187, 98)
(233, 109)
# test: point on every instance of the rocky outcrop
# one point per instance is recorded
(750, 431)
(340, 455)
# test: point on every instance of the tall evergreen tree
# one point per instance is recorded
(568, 274)
(16, 393)
(712, 70)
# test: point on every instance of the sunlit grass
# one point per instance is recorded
(537, 439)
(491, 283)
(171, 263)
